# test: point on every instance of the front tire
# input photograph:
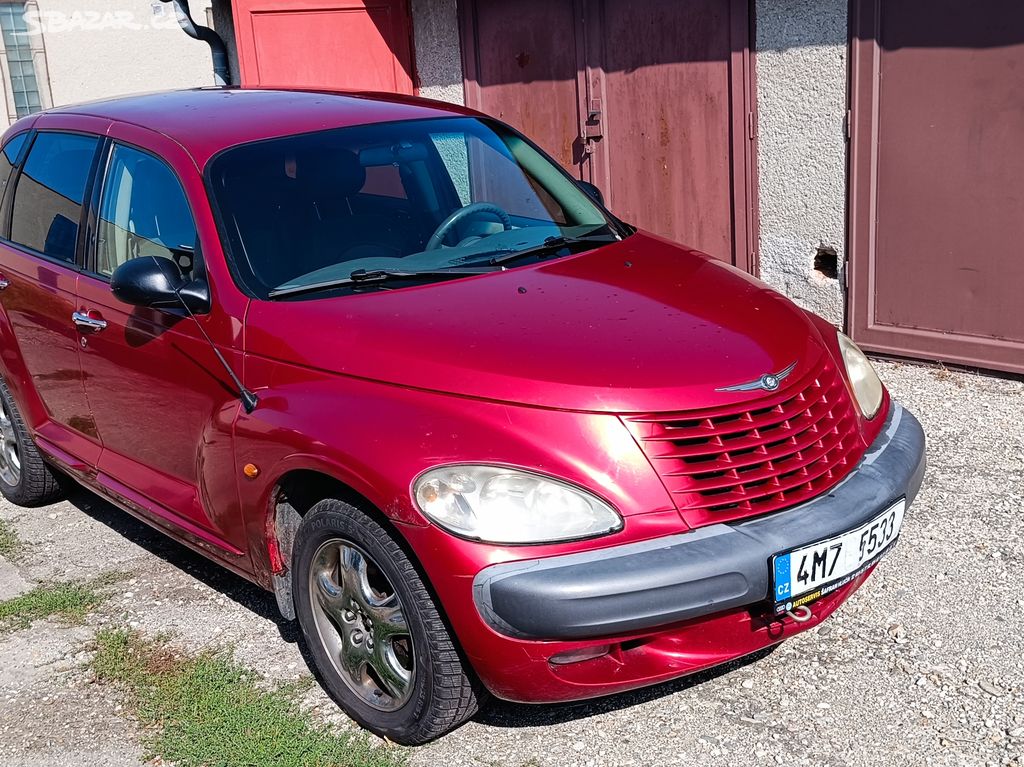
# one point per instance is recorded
(25, 478)
(383, 651)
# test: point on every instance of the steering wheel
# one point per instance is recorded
(463, 213)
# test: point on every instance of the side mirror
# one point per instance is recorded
(592, 192)
(158, 283)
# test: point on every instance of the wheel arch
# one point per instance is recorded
(292, 495)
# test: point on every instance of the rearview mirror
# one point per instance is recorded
(159, 284)
(393, 154)
(592, 192)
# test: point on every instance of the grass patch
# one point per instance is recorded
(10, 545)
(207, 711)
(66, 601)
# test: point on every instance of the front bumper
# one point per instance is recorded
(646, 586)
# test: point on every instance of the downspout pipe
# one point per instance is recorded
(221, 70)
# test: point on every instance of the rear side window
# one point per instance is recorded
(9, 158)
(143, 212)
(385, 181)
(48, 198)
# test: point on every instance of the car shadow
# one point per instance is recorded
(512, 715)
(223, 581)
(496, 713)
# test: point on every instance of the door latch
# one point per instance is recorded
(593, 126)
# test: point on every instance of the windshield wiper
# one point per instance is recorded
(373, 276)
(553, 245)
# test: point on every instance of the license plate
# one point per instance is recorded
(809, 573)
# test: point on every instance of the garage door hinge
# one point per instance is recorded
(847, 122)
(751, 126)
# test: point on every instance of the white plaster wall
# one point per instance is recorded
(438, 53)
(801, 94)
(101, 48)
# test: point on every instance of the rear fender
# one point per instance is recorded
(17, 377)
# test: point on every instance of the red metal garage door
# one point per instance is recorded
(341, 44)
(937, 180)
(649, 99)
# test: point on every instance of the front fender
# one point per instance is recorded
(377, 438)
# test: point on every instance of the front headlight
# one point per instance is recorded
(501, 505)
(866, 386)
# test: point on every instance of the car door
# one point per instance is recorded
(40, 260)
(162, 403)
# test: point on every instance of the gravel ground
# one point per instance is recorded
(924, 665)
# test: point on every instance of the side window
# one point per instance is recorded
(48, 198)
(143, 212)
(9, 158)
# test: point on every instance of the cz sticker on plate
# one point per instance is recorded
(804, 575)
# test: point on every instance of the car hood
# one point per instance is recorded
(635, 326)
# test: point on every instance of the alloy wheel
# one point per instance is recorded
(10, 459)
(361, 624)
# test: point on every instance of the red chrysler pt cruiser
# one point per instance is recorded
(386, 359)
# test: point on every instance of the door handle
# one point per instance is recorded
(88, 322)
(4, 283)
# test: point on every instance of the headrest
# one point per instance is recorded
(330, 172)
(255, 171)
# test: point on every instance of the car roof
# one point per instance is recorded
(207, 120)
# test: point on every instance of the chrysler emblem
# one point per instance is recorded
(768, 382)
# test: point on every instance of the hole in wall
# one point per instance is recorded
(826, 262)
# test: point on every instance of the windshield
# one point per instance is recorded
(407, 201)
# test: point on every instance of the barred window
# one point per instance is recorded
(20, 61)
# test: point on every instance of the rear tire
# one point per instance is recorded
(383, 652)
(25, 478)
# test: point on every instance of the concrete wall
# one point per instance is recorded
(438, 53)
(100, 48)
(801, 94)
